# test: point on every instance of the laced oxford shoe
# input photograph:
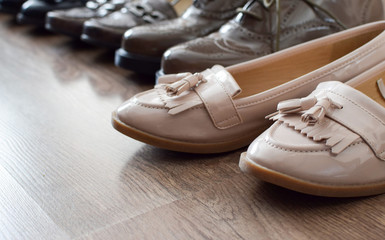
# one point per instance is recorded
(35, 11)
(11, 6)
(108, 31)
(70, 22)
(264, 27)
(142, 47)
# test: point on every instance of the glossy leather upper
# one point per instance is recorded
(111, 28)
(70, 21)
(92, 9)
(252, 33)
(177, 112)
(39, 8)
(202, 18)
(357, 129)
(10, 6)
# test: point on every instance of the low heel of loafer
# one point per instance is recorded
(137, 63)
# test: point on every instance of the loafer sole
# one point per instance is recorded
(307, 187)
(137, 63)
(180, 146)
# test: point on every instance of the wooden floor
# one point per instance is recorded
(65, 173)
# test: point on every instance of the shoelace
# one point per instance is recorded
(60, 1)
(268, 3)
(145, 12)
(109, 5)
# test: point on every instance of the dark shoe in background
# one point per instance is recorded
(35, 11)
(11, 6)
(260, 29)
(70, 22)
(108, 31)
(143, 46)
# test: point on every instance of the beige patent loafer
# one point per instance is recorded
(331, 143)
(223, 109)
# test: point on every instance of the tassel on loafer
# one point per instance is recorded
(331, 143)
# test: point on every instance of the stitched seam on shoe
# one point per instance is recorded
(290, 150)
(235, 116)
(160, 96)
(289, 13)
(375, 117)
(255, 36)
(369, 113)
(379, 44)
(306, 26)
(305, 151)
(237, 50)
(162, 108)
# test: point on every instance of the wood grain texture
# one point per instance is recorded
(66, 173)
(20, 216)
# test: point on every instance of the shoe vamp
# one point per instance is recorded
(79, 13)
(189, 28)
(232, 37)
(148, 112)
(119, 19)
(217, 50)
(287, 151)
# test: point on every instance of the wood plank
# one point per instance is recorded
(255, 208)
(245, 208)
(20, 216)
(183, 219)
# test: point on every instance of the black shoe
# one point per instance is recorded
(35, 11)
(70, 21)
(11, 6)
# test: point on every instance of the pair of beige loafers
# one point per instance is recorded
(331, 143)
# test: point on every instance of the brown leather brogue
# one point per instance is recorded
(108, 31)
(263, 27)
(143, 46)
(70, 21)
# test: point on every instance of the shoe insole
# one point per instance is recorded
(180, 6)
(272, 72)
(372, 88)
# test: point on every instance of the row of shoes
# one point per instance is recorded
(326, 99)
(328, 135)
(163, 36)
(216, 87)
